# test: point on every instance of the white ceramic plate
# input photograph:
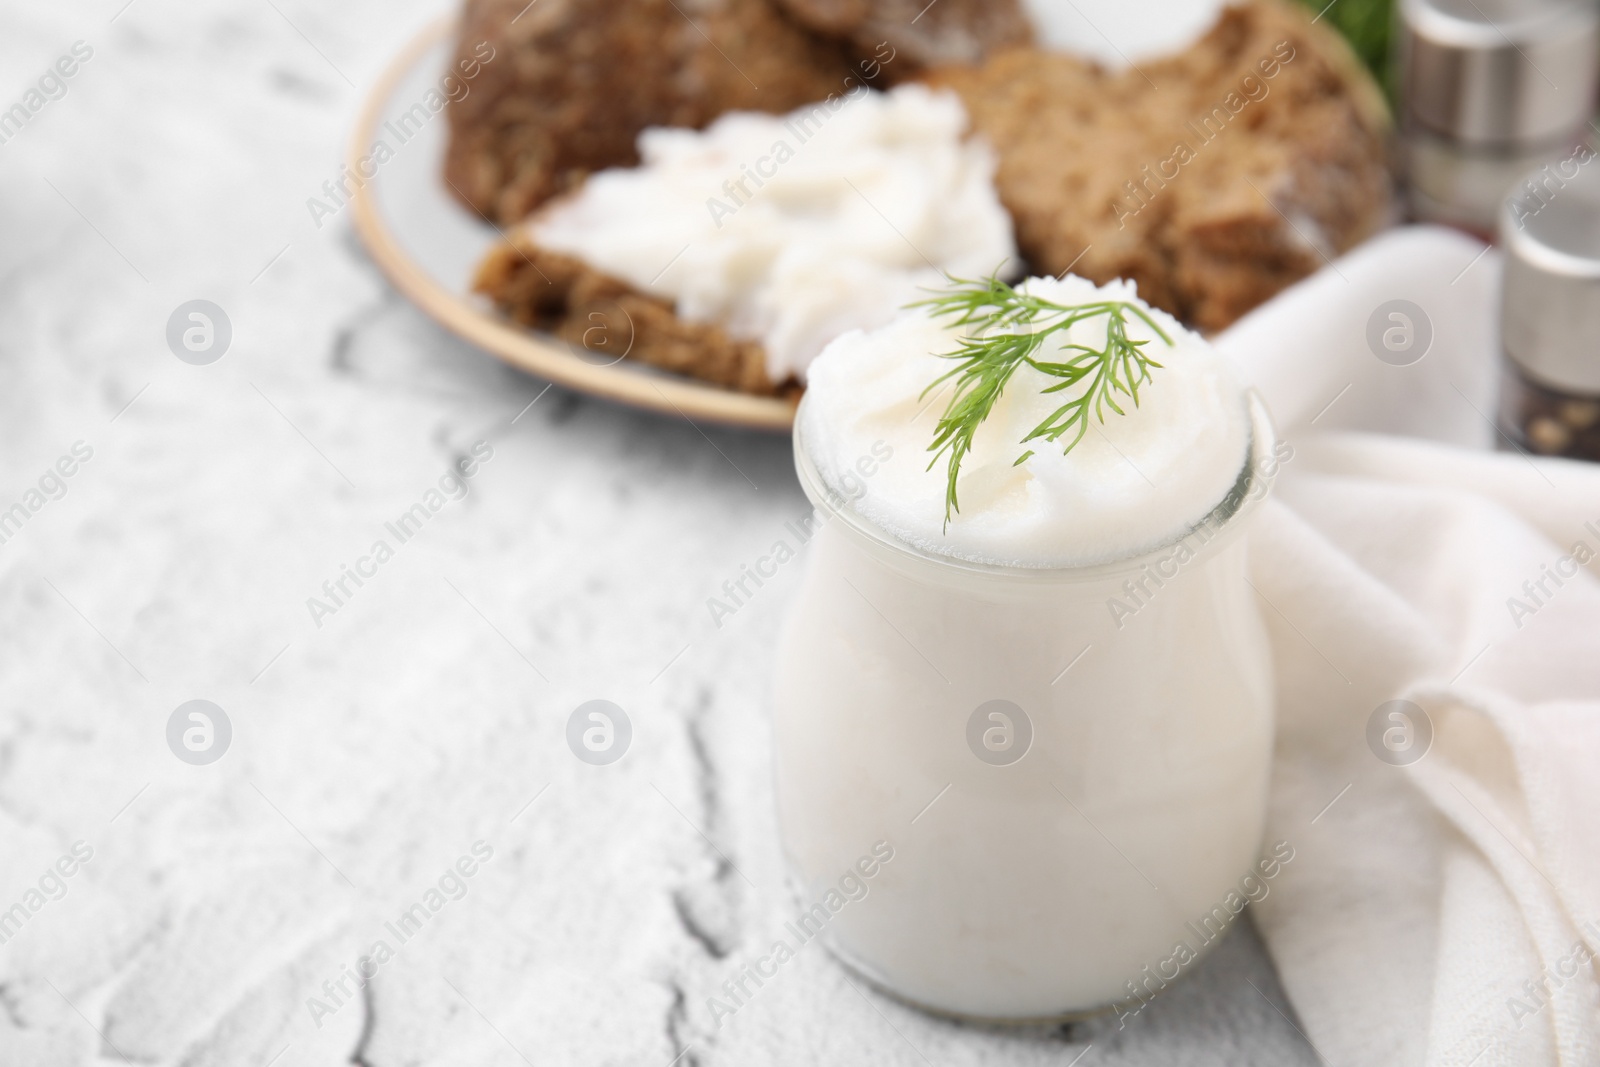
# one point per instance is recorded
(429, 246)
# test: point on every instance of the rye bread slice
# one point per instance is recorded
(603, 319)
(1207, 181)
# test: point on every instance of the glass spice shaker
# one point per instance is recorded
(1550, 318)
(1489, 90)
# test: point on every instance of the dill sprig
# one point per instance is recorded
(1010, 327)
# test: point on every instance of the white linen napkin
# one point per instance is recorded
(1443, 906)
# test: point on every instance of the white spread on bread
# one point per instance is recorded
(792, 229)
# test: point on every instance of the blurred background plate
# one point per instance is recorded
(429, 245)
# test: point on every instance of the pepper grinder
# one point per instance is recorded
(1550, 318)
(1489, 90)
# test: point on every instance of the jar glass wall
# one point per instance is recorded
(1067, 767)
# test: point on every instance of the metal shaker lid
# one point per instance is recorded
(1499, 72)
(1550, 308)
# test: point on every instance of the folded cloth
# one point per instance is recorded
(1443, 906)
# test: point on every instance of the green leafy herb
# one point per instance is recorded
(1367, 25)
(1009, 329)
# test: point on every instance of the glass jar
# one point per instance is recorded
(1011, 794)
(1550, 317)
(1546, 421)
(1488, 90)
(1464, 186)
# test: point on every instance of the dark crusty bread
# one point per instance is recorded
(603, 319)
(1090, 172)
(573, 82)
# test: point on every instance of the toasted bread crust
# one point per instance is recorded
(603, 319)
(573, 82)
(1090, 173)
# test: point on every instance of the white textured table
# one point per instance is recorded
(223, 906)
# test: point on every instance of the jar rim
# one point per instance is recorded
(1254, 483)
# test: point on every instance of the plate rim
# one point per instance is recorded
(533, 353)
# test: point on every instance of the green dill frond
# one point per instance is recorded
(1010, 330)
